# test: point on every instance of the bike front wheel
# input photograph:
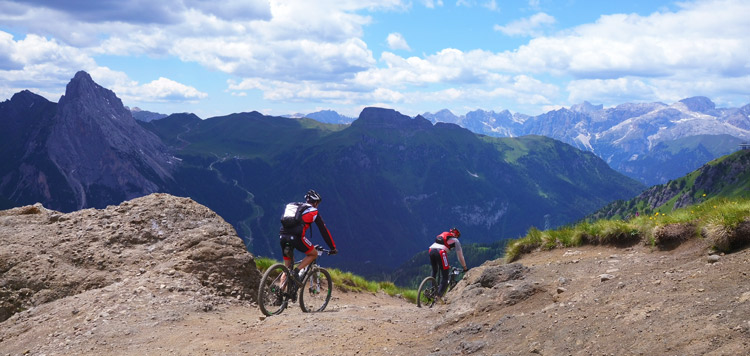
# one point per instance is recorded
(316, 291)
(272, 299)
(427, 292)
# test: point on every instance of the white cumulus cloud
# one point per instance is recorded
(298, 50)
(396, 41)
(164, 89)
(531, 26)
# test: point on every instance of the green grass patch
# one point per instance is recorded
(352, 282)
(348, 281)
(725, 222)
(262, 263)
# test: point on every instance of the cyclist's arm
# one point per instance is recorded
(460, 254)
(324, 232)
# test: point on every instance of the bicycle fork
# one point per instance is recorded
(315, 283)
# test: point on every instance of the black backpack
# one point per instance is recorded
(291, 220)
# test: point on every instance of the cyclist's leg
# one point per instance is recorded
(443, 272)
(304, 245)
(435, 261)
(287, 252)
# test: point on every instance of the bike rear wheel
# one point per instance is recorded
(272, 298)
(316, 291)
(427, 292)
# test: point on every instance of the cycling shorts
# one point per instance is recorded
(291, 242)
(439, 257)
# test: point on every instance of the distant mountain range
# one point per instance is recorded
(325, 116)
(145, 116)
(650, 142)
(389, 182)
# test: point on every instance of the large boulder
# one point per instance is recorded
(158, 240)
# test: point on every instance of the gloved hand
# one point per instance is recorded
(466, 270)
(333, 252)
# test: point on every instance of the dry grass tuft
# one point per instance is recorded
(727, 238)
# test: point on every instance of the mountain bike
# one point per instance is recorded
(427, 293)
(278, 287)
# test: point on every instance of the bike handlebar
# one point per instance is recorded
(321, 249)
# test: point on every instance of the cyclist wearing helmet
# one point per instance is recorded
(293, 236)
(445, 242)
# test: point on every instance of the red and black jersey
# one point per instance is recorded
(312, 215)
(446, 239)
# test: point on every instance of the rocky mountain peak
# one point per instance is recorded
(328, 116)
(26, 98)
(700, 104)
(443, 115)
(388, 118)
(83, 93)
(82, 84)
(586, 107)
(98, 146)
(20, 105)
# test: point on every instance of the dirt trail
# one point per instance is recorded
(354, 323)
(552, 303)
(163, 275)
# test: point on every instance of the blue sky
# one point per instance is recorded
(299, 56)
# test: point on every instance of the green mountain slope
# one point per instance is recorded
(390, 183)
(658, 164)
(724, 177)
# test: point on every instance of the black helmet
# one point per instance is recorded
(312, 196)
(455, 232)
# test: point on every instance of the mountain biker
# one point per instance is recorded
(445, 242)
(294, 238)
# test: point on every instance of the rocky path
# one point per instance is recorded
(353, 323)
(677, 302)
(164, 276)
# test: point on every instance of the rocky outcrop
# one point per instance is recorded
(157, 242)
(491, 287)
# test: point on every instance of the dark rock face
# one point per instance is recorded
(25, 122)
(87, 149)
(100, 149)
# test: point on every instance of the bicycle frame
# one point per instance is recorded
(275, 283)
(312, 265)
(429, 287)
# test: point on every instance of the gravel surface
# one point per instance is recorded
(162, 275)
